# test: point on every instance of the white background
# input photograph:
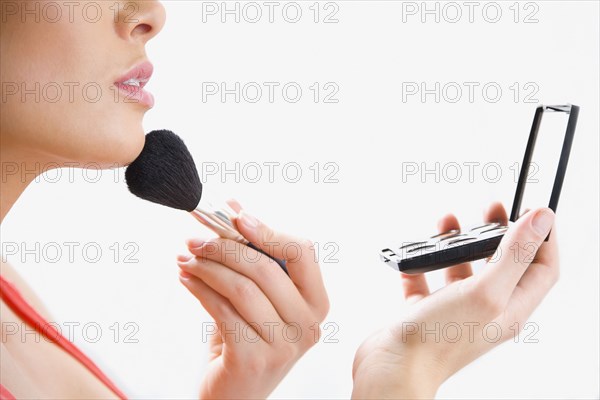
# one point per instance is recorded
(368, 134)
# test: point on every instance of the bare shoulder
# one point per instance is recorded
(12, 276)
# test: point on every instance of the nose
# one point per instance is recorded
(140, 20)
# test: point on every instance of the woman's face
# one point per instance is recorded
(69, 73)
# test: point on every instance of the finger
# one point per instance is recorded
(460, 271)
(541, 275)
(216, 305)
(539, 278)
(515, 253)
(414, 287)
(247, 298)
(235, 206)
(274, 283)
(184, 258)
(299, 255)
(495, 213)
(221, 309)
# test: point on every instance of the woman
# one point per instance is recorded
(91, 48)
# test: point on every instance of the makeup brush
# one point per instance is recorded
(165, 173)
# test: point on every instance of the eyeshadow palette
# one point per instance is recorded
(445, 249)
(459, 246)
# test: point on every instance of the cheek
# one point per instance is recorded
(104, 132)
(114, 136)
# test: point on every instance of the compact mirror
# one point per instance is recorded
(545, 162)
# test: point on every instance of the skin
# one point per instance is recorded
(37, 135)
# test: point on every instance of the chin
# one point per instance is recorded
(127, 149)
(127, 140)
(114, 148)
(135, 147)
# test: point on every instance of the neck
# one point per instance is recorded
(19, 169)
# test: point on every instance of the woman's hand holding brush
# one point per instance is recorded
(265, 319)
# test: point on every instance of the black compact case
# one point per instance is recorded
(459, 246)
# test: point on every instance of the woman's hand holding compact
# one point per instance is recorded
(265, 320)
(448, 329)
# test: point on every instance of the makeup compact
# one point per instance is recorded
(478, 242)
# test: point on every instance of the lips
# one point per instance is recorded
(131, 85)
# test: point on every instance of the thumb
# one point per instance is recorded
(516, 251)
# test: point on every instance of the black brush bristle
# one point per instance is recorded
(165, 172)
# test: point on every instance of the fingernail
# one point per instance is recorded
(184, 275)
(542, 222)
(195, 243)
(184, 258)
(249, 222)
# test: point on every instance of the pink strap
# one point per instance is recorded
(11, 296)
(5, 394)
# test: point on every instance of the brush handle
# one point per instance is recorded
(219, 221)
(277, 260)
